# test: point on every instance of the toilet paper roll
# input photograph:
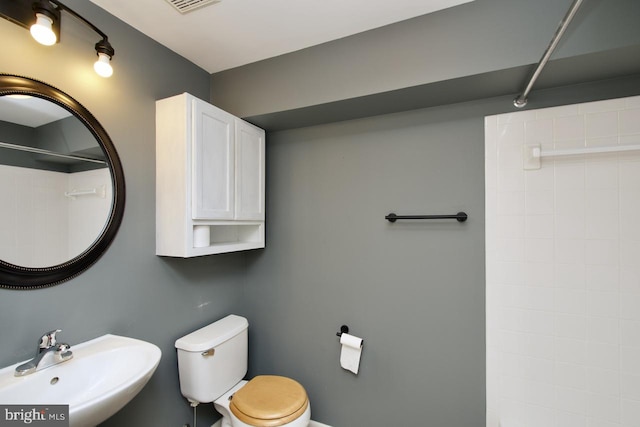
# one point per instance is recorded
(201, 236)
(351, 351)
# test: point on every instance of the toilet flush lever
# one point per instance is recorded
(209, 352)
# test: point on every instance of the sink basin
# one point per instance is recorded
(103, 376)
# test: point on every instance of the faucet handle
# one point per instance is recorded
(48, 339)
(63, 350)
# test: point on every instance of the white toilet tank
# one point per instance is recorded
(213, 359)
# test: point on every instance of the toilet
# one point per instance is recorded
(212, 363)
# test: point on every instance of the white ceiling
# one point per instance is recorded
(231, 33)
(30, 111)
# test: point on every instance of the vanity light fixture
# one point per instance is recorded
(42, 18)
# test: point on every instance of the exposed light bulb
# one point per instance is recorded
(42, 30)
(103, 65)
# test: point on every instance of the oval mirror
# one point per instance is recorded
(61, 185)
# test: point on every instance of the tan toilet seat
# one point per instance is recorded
(269, 401)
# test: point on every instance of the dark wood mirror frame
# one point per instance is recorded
(18, 277)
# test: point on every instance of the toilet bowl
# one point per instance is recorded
(212, 363)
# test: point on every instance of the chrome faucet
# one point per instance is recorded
(50, 353)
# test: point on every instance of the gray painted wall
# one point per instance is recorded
(413, 291)
(476, 38)
(130, 291)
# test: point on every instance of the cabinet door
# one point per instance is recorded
(250, 172)
(213, 162)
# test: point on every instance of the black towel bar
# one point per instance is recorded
(460, 216)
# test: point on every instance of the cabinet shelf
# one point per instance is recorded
(221, 248)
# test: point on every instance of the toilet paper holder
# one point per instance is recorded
(344, 329)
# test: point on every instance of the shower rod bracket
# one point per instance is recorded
(520, 102)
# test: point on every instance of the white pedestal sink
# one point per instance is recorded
(101, 378)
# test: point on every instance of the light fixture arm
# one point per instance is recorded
(102, 46)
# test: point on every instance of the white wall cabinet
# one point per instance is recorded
(209, 180)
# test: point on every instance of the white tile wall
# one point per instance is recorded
(39, 226)
(563, 269)
(33, 216)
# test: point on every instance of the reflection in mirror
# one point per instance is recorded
(55, 184)
(62, 189)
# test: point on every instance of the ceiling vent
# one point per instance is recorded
(184, 6)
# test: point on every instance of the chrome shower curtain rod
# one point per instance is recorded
(521, 100)
(48, 153)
